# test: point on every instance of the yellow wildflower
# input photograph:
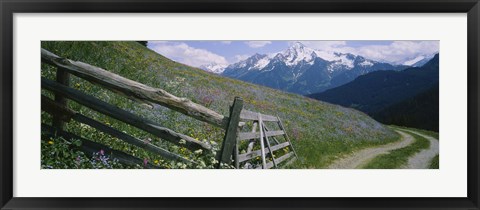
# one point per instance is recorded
(50, 142)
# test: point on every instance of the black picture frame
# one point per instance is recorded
(10, 7)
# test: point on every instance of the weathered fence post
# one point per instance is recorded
(231, 132)
(63, 77)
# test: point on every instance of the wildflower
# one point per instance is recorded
(104, 160)
(156, 161)
(102, 152)
(50, 142)
(145, 162)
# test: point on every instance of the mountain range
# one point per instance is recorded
(408, 97)
(303, 70)
(403, 93)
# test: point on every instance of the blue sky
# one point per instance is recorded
(197, 53)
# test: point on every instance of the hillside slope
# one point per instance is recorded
(375, 92)
(419, 111)
(319, 131)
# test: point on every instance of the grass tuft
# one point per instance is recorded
(435, 164)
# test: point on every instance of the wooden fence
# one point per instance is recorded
(268, 140)
(139, 92)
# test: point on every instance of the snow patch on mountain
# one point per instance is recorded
(297, 53)
(418, 60)
(414, 60)
(344, 60)
(214, 68)
(262, 63)
(366, 63)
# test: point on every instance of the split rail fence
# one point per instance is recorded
(233, 124)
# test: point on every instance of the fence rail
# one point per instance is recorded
(122, 115)
(53, 108)
(139, 92)
(269, 144)
(135, 90)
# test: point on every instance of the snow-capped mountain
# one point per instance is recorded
(304, 70)
(418, 61)
(214, 68)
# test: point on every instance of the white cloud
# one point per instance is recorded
(328, 46)
(396, 52)
(323, 45)
(159, 42)
(240, 57)
(185, 54)
(226, 42)
(257, 44)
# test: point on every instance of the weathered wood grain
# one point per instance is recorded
(50, 106)
(230, 139)
(269, 148)
(63, 77)
(262, 145)
(124, 116)
(135, 90)
(273, 137)
(130, 139)
(252, 141)
(236, 153)
(249, 115)
(286, 135)
(256, 153)
(279, 160)
(246, 136)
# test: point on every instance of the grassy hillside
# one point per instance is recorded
(320, 131)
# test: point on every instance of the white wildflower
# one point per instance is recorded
(198, 152)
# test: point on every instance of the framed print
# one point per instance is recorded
(240, 105)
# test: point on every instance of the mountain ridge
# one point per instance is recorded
(302, 70)
(377, 93)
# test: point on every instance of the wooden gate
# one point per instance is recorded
(273, 147)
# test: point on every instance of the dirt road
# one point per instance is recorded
(361, 157)
(419, 160)
(422, 159)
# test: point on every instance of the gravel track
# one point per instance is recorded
(361, 157)
(420, 160)
(423, 159)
